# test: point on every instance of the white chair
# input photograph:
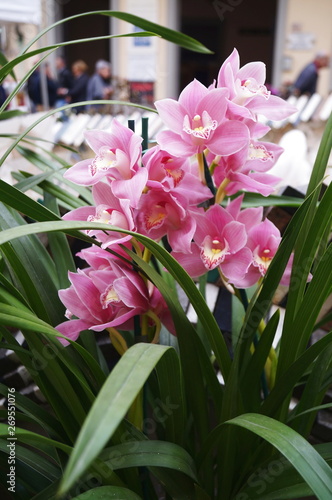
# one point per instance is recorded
(310, 108)
(326, 109)
(292, 166)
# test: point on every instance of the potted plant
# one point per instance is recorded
(179, 413)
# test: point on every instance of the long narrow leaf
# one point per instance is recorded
(110, 407)
(166, 33)
(212, 330)
(108, 493)
(303, 457)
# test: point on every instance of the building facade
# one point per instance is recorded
(285, 34)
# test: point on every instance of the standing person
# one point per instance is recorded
(3, 94)
(78, 91)
(306, 82)
(35, 91)
(65, 82)
(99, 86)
(64, 76)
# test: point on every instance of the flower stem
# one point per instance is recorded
(117, 340)
(200, 160)
(154, 317)
(146, 255)
(221, 193)
(136, 247)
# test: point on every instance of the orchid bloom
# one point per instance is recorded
(117, 156)
(247, 90)
(246, 169)
(175, 175)
(102, 298)
(197, 121)
(263, 241)
(164, 194)
(107, 297)
(108, 210)
(164, 213)
(219, 241)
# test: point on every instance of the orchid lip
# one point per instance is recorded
(201, 126)
(213, 252)
(105, 160)
(259, 152)
(109, 297)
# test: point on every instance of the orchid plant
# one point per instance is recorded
(179, 414)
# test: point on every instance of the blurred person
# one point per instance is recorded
(99, 86)
(34, 88)
(306, 82)
(64, 76)
(78, 91)
(65, 82)
(3, 94)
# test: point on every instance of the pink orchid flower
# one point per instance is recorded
(117, 156)
(247, 89)
(98, 258)
(246, 169)
(103, 298)
(219, 241)
(197, 121)
(174, 174)
(263, 241)
(164, 213)
(108, 210)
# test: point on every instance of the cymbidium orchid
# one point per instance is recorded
(214, 147)
(247, 90)
(246, 169)
(219, 241)
(108, 297)
(263, 241)
(166, 213)
(108, 209)
(117, 159)
(174, 174)
(197, 121)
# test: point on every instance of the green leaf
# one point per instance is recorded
(60, 249)
(166, 33)
(66, 199)
(3, 61)
(196, 365)
(45, 468)
(170, 411)
(108, 493)
(278, 480)
(34, 277)
(52, 164)
(150, 454)
(313, 393)
(40, 416)
(298, 301)
(285, 384)
(22, 203)
(303, 457)
(6, 115)
(20, 137)
(324, 151)
(211, 327)
(34, 439)
(252, 375)
(317, 292)
(110, 407)
(257, 200)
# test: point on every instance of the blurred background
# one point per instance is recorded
(285, 34)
